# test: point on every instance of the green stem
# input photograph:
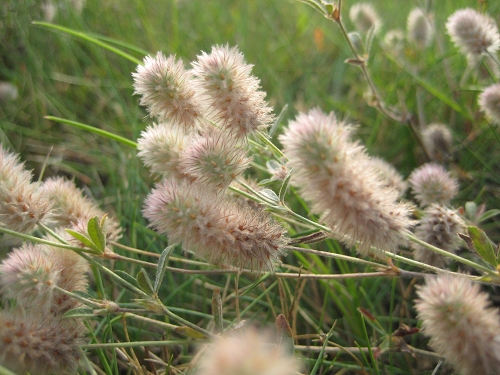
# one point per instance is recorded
(276, 151)
(187, 323)
(134, 344)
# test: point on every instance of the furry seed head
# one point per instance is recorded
(336, 176)
(160, 147)
(71, 206)
(438, 227)
(420, 28)
(462, 328)
(489, 103)
(246, 353)
(22, 206)
(167, 91)
(231, 93)
(36, 344)
(364, 17)
(474, 33)
(214, 158)
(438, 141)
(431, 183)
(212, 227)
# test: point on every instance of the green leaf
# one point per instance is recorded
(127, 280)
(372, 320)
(145, 282)
(285, 334)
(217, 309)
(81, 312)
(488, 215)
(270, 195)
(96, 234)
(277, 122)
(482, 244)
(261, 279)
(189, 332)
(316, 4)
(93, 129)
(160, 269)
(284, 186)
(83, 239)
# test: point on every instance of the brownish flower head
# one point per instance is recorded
(212, 227)
(246, 353)
(39, 344)
(22, 206)
(462, 328)
(337, 177)
(438, 141)
(167, 90)
(438, 227)
(231, 93)
(71, 206)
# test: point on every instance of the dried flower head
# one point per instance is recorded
(420, 28)
(462, 328)
(167, 90)
(431, 183)
(214, 158)
(364, 17)
(39, 344)
(246, 353)
(438, 142)
(22, 205)
(474, 33)
(160, 147)
(212, 227)
(231, 93)
(71, 206)
(30, 273)
(389, 174)
(335, 174)
(438, 227)
(489, 103)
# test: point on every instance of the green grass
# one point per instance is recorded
(299, 57)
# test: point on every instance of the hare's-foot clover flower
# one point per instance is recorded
(364, 17)
(231, 94)
(462, 327)
(438, 227)
(167, 90)
(420, 27)
(474, 33)
(336, 176)
(432, 183)
(214, 228)
(489, 103)
(389, 174)
(22, 204)
(246, 353)
(438, 142)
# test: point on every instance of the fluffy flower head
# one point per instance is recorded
(420, 28)
(22, 206)
(431, 183)
(215, 229)
(246, 353)
(438, 141)
(489, 103)
(364, 17)
(462, 328)
(336, 176)
(474, 33)
(231, 93)
(167, 91)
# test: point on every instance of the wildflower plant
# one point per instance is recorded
(185, 228)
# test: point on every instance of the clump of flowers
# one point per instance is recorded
(230, 93)
(336, 176)
(364, 17)
(246, 353)
(474, 33)
(432, 183)
(213, 227)
(438, 227)
(22, 205)
(420, 28)
(167, 90)
(389, 174)
(489, 103)
(438, 142)
(462, 327)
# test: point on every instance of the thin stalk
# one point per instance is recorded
(134, 344)
(187, 323)
(84, 300)
(276, 151)
(152, 321)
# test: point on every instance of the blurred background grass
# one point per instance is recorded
(299, 57)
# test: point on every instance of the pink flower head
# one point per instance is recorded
(431, 183)
(489, 103)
